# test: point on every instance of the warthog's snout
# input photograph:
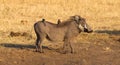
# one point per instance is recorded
(88, 31)
(87, 28)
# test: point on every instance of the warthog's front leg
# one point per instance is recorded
(71, 47)
(66, 46)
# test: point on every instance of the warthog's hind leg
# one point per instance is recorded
(39, 41)
(37, 45)
(41, 49)
(41, 38)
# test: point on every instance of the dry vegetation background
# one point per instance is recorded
(20, 15)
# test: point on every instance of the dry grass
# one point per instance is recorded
(20, 15)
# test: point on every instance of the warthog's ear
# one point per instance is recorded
(43, 20)
(76, 18)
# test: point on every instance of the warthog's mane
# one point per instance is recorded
(66, 22)
(63, 23)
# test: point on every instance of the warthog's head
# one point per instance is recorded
(82, 23)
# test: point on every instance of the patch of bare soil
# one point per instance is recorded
(93, 52)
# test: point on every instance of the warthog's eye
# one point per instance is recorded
(79, 19)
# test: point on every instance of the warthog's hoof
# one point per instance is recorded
(38, 51)
(73, 52)
(63, 51)
(41, 51)
(35, 51)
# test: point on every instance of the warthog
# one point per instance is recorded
(64, 31)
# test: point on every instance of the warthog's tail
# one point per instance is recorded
(43, 20)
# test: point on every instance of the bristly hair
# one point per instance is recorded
(73, 17)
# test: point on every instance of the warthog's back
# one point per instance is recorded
(56, 33)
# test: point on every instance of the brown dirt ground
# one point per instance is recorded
(91, 52)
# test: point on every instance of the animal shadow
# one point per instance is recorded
(20, 46)
(113, 32)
